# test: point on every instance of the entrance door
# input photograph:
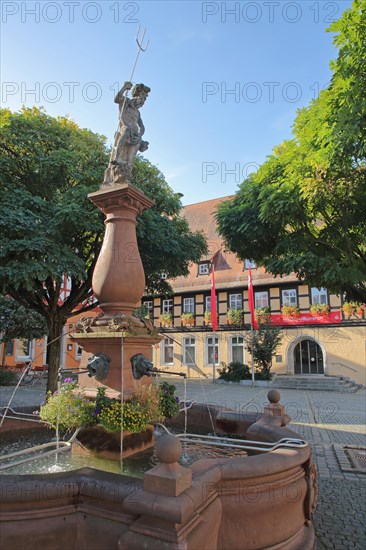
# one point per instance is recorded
(308, 358)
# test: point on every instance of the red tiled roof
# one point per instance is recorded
(229, 271)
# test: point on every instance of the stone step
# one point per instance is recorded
(322, 383)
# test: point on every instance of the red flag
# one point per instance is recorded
(251, 300)
(213, 302)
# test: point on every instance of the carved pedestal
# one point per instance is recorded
(111, 345)
(119, 278)
(118, 283)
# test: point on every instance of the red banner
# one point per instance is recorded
(214, 322)
(307, 318)
(251, 300)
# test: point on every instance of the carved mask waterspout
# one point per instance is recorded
(98, 366)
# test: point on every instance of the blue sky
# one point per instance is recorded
(226, 78)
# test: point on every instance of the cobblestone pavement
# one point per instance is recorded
(328, 420)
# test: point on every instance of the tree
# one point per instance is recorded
(263, 344)
(17, 321)
(303, 211)
(48, 227)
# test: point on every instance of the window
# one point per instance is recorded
(261, 299)
(149, 304)
(79, 351)
(212, 350)
(168, 306)
(235, 301)
(319, 296)
(237, 349)
(188, 305)
(249, 264)
(189, 351)
(289, 297)
(208, 304)
(167, 351)
(9, 348)
(203, 269)
(23, 349)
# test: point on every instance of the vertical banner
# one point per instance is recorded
(253, 322)
(213, 301)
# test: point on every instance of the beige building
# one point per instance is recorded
(328, 343)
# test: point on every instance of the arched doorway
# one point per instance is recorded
(308, 358)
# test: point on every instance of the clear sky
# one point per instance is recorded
(226, 78)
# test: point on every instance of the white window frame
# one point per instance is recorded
(28, 357)
(261, 299)
(166, 343)
(317, 294)
(150, 307)
(235, 301)
(289, 299)
(189, 341)
(250, 264)
(215, 345)
(188, 305)
(208, 304)
(168, 305)
(78, 352)
(240, 345)
(203, 269)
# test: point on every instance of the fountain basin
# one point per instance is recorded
(253, 502)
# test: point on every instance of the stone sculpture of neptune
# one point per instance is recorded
(128, 138)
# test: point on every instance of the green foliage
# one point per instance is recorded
(262, 344)
(235, 316)
(149, 404)
(263, 314)
(135, 417)
(234, 372)
(141, 312)
(290, 311)
(166, 243)
(303, 211)
(319, 309)
(166, 319)
(67, 409)
(8, 378)
(169, 402)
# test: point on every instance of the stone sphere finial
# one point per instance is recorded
(273, 396)
(168, 449)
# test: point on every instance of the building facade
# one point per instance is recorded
(319, 338)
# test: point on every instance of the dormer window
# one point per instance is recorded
(249, 264)
(204, 269)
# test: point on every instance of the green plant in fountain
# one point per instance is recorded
(67, 409)
(149, 405)
(169, 402)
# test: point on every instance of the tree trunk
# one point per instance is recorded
(4, 343)
(55, 328)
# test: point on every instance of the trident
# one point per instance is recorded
(140, 48)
